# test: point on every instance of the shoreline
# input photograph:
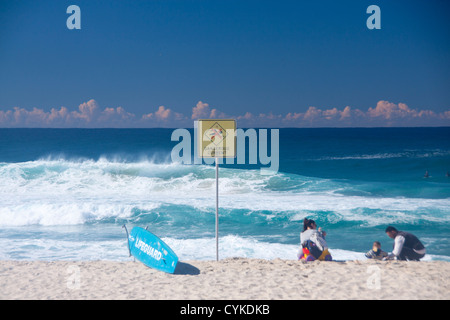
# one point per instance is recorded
(231, 278)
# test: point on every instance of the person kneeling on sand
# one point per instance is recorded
(406, 245)
(313, 244)
(376, 252)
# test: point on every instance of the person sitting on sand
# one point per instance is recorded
(313, 244)
(406, 245)
(376, 252)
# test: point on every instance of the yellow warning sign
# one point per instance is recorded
(216, 138)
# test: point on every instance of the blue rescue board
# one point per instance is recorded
(151, 250)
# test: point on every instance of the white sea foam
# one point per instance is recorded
(68, 212)
(186, 249)
(58, 192)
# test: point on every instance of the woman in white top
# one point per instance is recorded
(313, 244)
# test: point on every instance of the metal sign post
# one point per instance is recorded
(217, 209)
(216, 139)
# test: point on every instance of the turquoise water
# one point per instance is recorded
(66, 193)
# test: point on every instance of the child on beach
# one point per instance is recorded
(376, 252)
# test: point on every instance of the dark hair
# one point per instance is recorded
(377, 243)
(390, 228)
(307, 223)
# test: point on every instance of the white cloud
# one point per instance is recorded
(90, 115)
(384, 114)
(162, 117)
(203, 111)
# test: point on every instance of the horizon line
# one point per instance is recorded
(174, 128)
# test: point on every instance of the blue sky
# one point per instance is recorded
(266, 63)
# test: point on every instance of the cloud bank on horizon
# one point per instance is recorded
(91, 115)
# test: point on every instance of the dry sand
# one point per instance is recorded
(237, 278)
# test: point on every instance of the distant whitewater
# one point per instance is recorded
(65, 193)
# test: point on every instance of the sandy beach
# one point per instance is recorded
(234, 278)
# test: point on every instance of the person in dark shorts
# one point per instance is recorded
(406, 245)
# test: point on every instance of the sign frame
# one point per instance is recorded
(212, 133)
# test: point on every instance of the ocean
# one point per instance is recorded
(66, 193)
